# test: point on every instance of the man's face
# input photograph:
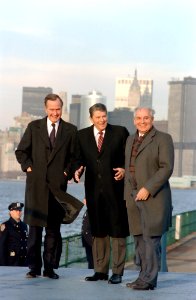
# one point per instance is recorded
(99, 119)
(16, 214)
(53, 110)
(143, 121)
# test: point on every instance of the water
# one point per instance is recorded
(13, 191)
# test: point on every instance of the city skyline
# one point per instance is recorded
(84, 45)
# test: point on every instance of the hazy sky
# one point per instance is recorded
(80, 45)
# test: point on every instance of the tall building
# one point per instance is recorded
(181, 124)
(9, 140)
(65, 114)
(86, 102)
(74, 111)
(123, 117)
(133, 92)
(33, 100)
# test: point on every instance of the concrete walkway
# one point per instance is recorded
(72, 286)
(179, 284)
(181, 256)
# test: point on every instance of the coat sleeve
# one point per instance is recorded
(3, 245)
(24, 149)
(70, 168)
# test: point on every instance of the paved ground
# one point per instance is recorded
(177, 284)
(181, 256)
(72, 286)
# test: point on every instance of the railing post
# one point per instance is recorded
(163, 253)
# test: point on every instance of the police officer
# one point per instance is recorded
(13, 238)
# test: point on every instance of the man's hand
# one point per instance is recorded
(119, 173)
(142, 195)
(29, 169)
(78, 173)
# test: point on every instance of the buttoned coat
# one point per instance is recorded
(153, 167)
(48, 169)
(104, 195)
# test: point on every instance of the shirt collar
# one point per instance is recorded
(49, 123)
(96, 131)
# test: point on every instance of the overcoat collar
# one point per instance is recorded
(44, 132)
(147, 140)
(60, 137)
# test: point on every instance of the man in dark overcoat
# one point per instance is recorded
(149, 161)
(104, 181)
(13, 238)
(46, 153)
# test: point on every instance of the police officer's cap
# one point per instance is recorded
(16, 206)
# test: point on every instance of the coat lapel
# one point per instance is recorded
(91, 140)
(148, 139)
(107, 138)
(44, 132)
(60, 139)
(128, 153)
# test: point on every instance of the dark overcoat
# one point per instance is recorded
(153, 167)
(48, 169)
(104, 195)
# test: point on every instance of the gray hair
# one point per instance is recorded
(52, 97)
(151, 110)
(97, 106)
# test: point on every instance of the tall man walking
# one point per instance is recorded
(101, 152)
(45, 153)
(148, 167)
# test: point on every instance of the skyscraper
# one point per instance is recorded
(33, 100)
(181, 124)
(74, 115)
(133, 92)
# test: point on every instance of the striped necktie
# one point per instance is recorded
(100, 140)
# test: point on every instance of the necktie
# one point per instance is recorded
(52, 135)
(100, 140)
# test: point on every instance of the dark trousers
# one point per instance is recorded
(101, 254)
(52, 240)
(148, 250)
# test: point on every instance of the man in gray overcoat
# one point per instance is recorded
(46, 153)
(149, 161)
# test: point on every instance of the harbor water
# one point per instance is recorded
(14, 190)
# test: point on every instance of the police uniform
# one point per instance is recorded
(13, 240)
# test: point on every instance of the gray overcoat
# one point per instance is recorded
(153, 168)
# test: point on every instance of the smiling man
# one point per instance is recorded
(149, 161)
(46, 153)
(101, 152)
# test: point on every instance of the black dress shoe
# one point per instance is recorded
(50, 274)
(32, 274)
(115, 279)
(130, 284)
(97, 276)
(143, 287)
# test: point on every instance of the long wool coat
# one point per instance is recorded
(104, 195)
(48, 168)
(153, 168)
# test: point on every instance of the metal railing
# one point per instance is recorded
(73, 254)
